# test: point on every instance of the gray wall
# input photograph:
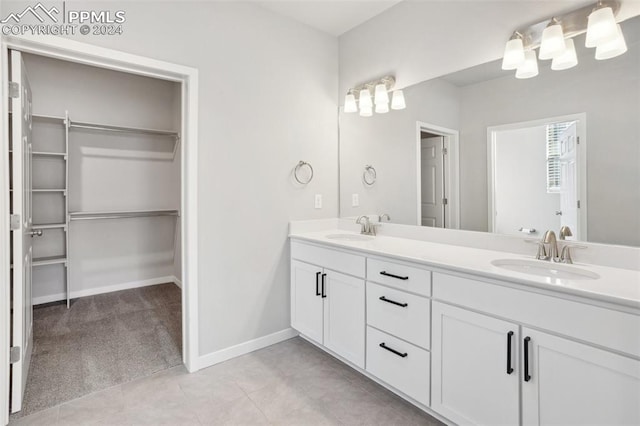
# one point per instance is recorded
(268, 96)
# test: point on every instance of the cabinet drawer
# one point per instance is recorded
(612, 329)
(400, 276)
(409, 373)
(335, 260)
(399, 313)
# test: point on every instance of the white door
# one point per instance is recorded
(474, 370)
(569, 180)
(575, 384)
(344, 322)
(432, 181)
(306, 299)
(21, 307)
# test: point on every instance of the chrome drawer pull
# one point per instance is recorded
(393, 302)
(403, 355)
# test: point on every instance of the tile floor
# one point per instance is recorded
(290, 383)
(102, 341)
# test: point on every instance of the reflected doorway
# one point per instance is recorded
(535, 177)
(437, 172)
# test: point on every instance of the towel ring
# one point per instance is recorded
(299, 166)
(369, 175)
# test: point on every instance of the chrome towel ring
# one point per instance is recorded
(369, 175)
(296, 171)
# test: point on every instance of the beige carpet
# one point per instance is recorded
(102, 341)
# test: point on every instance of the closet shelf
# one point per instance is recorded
(52, 260)
(121, 214)
(122, 129)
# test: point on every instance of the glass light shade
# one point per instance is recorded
(382, 108)
(365, 99)
(530, 66)
(513, 54)
(613, 48)
(552, 44)
(381, 97)
(350, 103)
(568, 59)
(601, 27)
(397, 101)
(366, 111)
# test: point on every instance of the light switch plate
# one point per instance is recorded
(318, 201)
(355, 200)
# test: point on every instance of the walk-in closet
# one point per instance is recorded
(96, 195)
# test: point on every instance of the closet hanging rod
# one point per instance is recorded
(122, 129)
(121, 215)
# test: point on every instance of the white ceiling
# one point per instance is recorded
(334, 17)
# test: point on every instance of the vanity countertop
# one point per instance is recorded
(614, 285)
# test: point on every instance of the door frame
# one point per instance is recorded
(581, 130)
(452, 174)
(88, 54)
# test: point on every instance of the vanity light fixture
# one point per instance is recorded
(552, 44)
(513, 52)
(350, 103)
(554, 37)
(568, 59)
(601, 26)
(530, 66)
(397, 101)
(613, 48)
(359, 97)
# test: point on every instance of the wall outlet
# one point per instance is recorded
(355, 200)
(318, 203)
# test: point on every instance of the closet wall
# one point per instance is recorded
(107, 172)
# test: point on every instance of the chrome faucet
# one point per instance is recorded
(365, 223)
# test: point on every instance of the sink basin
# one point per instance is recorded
(545, 269)
(349, 237)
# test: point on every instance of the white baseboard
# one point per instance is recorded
(105, 289)
(246, 347)
(176, 281)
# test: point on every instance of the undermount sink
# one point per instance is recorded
(349, 237)
(545, 269)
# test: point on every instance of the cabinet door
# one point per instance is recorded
(575, 384)
(344, 322)
(474, 381)
(306, 300)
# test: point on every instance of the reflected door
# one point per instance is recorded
(569, 181)
(432, 181)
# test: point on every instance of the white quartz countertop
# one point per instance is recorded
(614, 285)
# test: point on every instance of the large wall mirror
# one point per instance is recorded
(481, 150)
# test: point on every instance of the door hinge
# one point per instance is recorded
(445, 151)
(15, 222)
(14, 89)
(578, 140)
(14, 354)
(445, 201)
(578, 203)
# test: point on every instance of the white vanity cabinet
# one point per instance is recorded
(328, 306)
(475, 373)
(484, 368)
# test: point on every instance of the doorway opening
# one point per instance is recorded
(536, 177)
(437, 172)
(74, 152)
